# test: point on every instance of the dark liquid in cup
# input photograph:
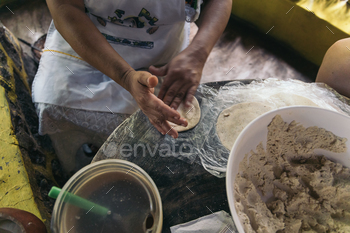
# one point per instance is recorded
(124, 196)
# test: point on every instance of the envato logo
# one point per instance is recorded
(164, 150)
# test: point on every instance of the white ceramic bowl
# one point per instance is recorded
(256, 132)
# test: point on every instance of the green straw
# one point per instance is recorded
(79, 202)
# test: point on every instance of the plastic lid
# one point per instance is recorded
(108, 196)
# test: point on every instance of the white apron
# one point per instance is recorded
(143, 32)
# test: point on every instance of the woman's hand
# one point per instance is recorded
(184, 72)
(182, 77)
(141, 86)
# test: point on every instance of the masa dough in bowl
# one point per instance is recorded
(287, 188)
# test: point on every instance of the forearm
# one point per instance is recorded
(211, 24)
(87, 41)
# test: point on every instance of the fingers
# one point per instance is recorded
(163, 126)
(173, 116)
(177, 93)
(190, 95)
(165, 129)
(173, 92)
(159, 113)
(163, 89)
(152, 81)
(148, 80)
(160, 128)
(172, 132)
(179, 97)
(161, 71)
(170, 114)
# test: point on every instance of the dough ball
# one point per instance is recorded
(192, 114)
(234, 119)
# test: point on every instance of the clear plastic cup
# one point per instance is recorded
(121, 186)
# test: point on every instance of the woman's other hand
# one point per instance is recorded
(182, 77)
(141, 86)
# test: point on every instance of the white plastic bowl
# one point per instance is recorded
(256, 132)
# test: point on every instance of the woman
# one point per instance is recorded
(93, 62)
(335, 67)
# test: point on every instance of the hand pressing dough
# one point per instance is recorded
(192, 114)
(233, 120)
(284, 99)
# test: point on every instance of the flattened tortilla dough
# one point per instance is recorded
(287, 99)
(234, 119)
(191, 114)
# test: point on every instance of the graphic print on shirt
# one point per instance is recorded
(129, 42)
(143, 19)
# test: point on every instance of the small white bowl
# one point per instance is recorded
(256, 132)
